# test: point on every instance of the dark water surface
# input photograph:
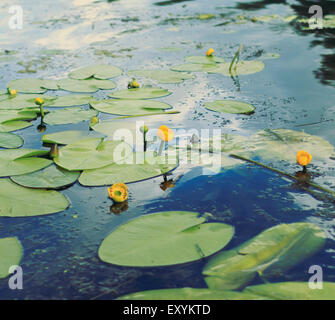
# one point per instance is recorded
(60, 252)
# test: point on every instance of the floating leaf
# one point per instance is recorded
(17, 201)
(10, 140)
(51, 177)
(164, 238)
(190, 294)
(162, 76)
(293, 291)
(23, 101)
(194, 67)
(71, 100)
(89, 85)
(98, 71)
(30, 85)
(9, 126)
(69, 115)
(137, 167)
(140, 93)
(206, 16)
(21, 161)
(241, 68)
(130, 107)
(11, 252)
(273, 251)
(230, 106)
(70, 136)
(91, 153)
(10, 115)
(204, 59)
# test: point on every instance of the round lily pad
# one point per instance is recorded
(69, 115)
(204, 59)
(21, 161)
(194, 67)
(162, 76)
(241, 68)
(9, 126)
(22, 101)
(31, 85)
(9, 115)
(70, 136)
(89, 85)
(10, 140)
(91, 153)
(164, 238)
(51, 177)
(17, 201)
(130, 107)
(140, 93)
(137, 167)
(98, 71)
(230, 106)
(71, 100)
(11, 252)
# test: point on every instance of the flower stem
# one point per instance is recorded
(236, 57)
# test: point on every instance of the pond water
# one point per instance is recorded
(295, 91)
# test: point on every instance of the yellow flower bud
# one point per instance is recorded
(39, 101)
(303, 158)
(118, 192)
(210, 52)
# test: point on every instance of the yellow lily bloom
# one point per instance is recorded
(303, 158)
(210, 52)
(165, 133)
(118, 192)
(39, 101)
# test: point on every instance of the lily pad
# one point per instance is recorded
(89, 85)
(31, 85)
(162, 76)
(70, 136)
(9, 126)
(293, 291)
(189, 294)
(130, 107)
(51, 177)
(17, 201)
(11, 252)
(140, 93)
(23, 101)
(9, 115)
(10, 140)
(230, 106)
(21, 161)
(98, 71)
(69, 115)
(241, 68)
(91, 153)
(273, 251)
(194, 67)
(137, 167)
(71, 100)
(204, 59)
(164, 238)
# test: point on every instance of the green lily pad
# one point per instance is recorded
(273, 251)
(164, 238)
(9, 115)
(293, 291)
(91, 153)
(71, 100)
(194, 67)
(17, 201)
(169, 49)
(189, 294)
(112, 128)
(230, 106)
(10, 140)
(9, 126)
(23, 101)
(11, 252)
(21, 161)
(137, 167)
(70, 136)
(51, 177)
(69, 115)
(130, 107)
(204, 59)
(31, 85)
(98, 71)
(283, 145)
(140, 93)
(241, 68)
(89, 85)
(162, 76)
(206, 16)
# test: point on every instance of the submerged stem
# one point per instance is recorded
(236, 57)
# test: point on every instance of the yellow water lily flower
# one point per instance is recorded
(13, 92)
(118, 192)
(210, 52)
(303, 158)
(39, 101)
(133, 84)
(165, 133)
(144, 129)
(94, 121)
